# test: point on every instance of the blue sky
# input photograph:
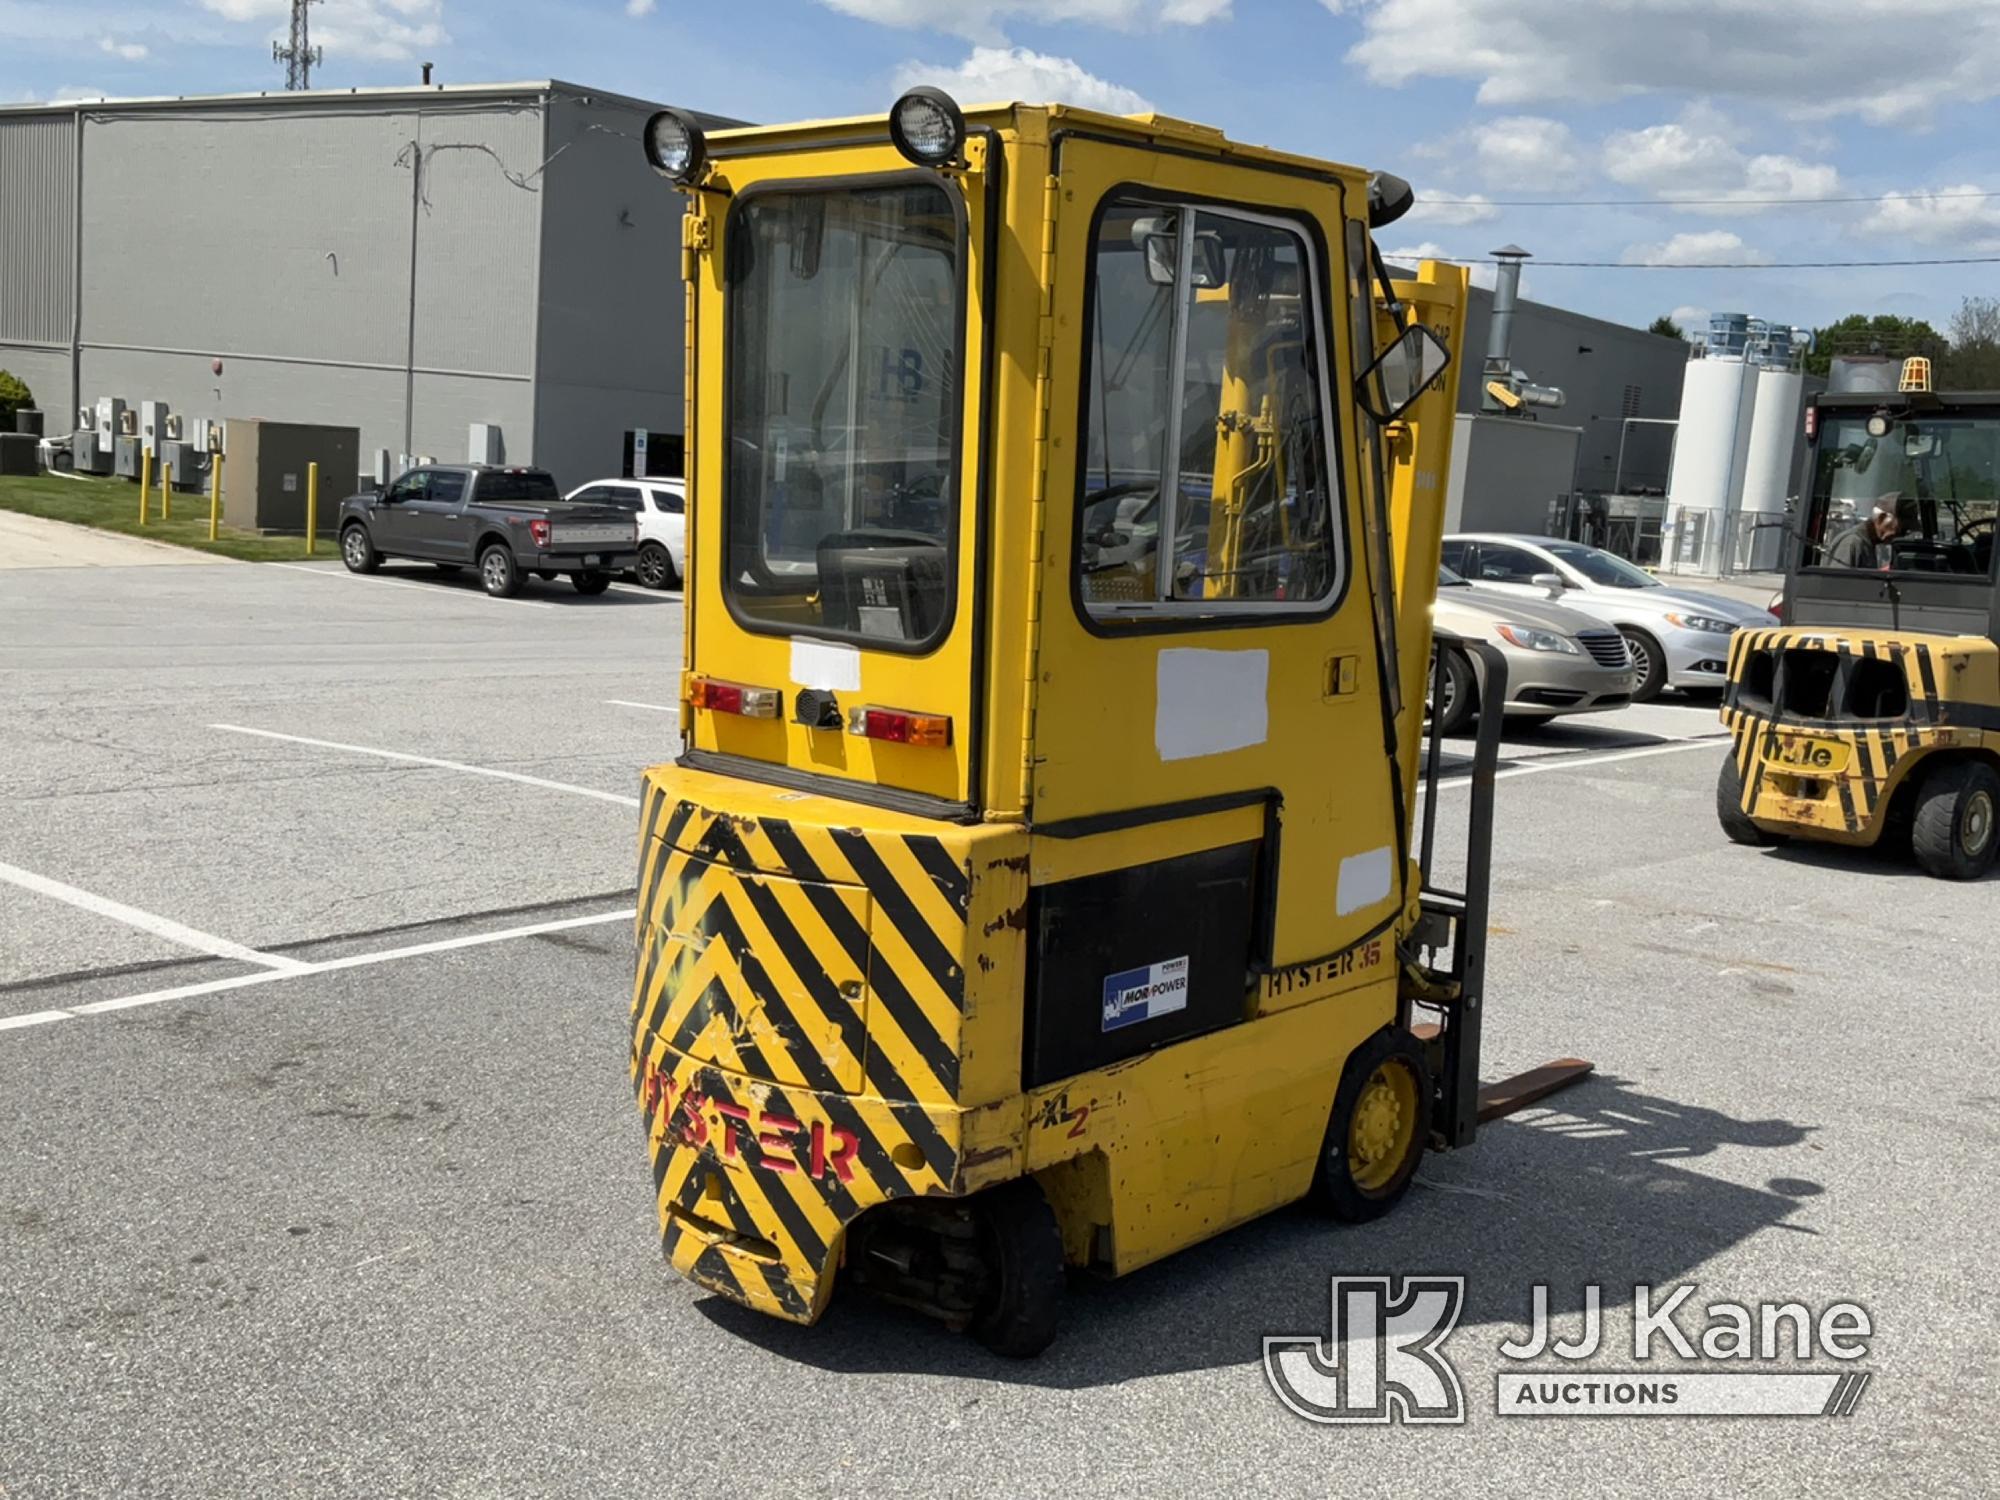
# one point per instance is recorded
(1481, 103)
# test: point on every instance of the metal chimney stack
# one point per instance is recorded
(1505, 389)
(1506, 294)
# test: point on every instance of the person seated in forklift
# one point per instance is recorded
(1876, 712)
(1040, 885)
(1867, 545)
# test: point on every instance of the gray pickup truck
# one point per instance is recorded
(508, 522)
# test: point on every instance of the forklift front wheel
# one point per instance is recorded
(1022, 1247)
(1381, 1120)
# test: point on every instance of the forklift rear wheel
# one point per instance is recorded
(1729, 809)
(1954, 835)
(1381, 1122)
(1022, 1246)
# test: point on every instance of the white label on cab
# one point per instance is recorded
(1364, 880)
(1210, 702)
(825, 664)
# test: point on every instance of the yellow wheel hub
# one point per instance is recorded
(1383, 1130)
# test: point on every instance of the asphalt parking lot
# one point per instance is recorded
(322, 1173)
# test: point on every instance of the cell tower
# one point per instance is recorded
(298, 55)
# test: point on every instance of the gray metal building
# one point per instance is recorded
(526, 277)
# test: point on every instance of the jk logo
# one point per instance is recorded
(1383, 1362)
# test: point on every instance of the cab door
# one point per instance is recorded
(1208, 640)
(840, 333)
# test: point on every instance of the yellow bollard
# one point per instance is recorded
(145, 482)
(312, 506)
(166, 492)
(215, 498)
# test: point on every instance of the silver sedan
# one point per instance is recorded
(1558, 661)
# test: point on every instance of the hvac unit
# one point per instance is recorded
(125, 463)
(188, 462)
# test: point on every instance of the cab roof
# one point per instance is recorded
(1033, 122)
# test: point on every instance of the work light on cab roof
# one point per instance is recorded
(675, 146)
(928, 127)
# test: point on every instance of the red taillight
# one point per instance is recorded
(539, 530)
(899, 727)
(733, 698)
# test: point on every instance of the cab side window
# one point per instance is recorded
(447, 487)
(669, 501)
(412, 486)
(1208, 477)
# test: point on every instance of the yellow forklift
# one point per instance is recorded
(1875, 712)
(1041, 884)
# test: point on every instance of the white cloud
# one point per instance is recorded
(1694, 158)
(375, 30)
(1435, 206)
(1706, 247)
(636, 8)
(980, 20)
(124, 51)
(1888, 63)
(1527, 152)
(1693, 320)
(1016, 74)
(1948, 218)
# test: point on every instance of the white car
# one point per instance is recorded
(1678, 637)
(660, 507)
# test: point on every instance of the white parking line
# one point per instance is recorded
(658, 708)
(164, 928)
(431, 760)
(297, 970)
(404, 583)
(1576, 762)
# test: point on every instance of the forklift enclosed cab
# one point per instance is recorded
(1877, 709)
(1039, 880)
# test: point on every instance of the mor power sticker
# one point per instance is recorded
(1140, 994)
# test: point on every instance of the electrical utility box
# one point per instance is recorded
(110, 422)
(153, 426)
(264, 482)
(483, 444)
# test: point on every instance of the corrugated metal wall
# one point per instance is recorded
(288, 233)
(37, 229)
(278, 238)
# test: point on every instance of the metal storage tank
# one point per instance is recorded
(1776, 414)
(1711, 454)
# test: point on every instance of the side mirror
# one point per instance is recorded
(1553, 582)
(1161, 244)
(1401, 373)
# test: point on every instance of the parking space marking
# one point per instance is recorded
(164, 928)
(658, 708)
(1570, 762)
(300, 970)
(431, 760)
(405, 583)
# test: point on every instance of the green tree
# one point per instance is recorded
(14, 395)
(1666, 327)
(1883, 333)
(1973, 363)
